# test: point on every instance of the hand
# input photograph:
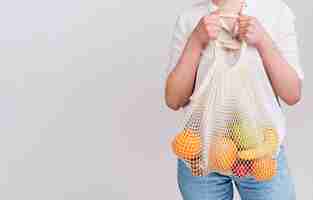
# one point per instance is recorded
(251, 30)
(207, 29)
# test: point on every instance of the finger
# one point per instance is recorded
(211, 16)
(242, 21)
(215, 18)
(243, 17)
(243, 37)
(214, 23)
(243, 25)
(212, 20)
(243, 31)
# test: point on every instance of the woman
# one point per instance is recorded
(268, 28)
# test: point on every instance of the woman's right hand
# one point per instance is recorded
(181, 82)
(207, 29)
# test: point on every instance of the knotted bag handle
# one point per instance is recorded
(216, 44)
(216, 56)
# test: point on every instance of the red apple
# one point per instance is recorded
(241, 169)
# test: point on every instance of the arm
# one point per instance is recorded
(181, 80)
(280, 59)
(285, 80)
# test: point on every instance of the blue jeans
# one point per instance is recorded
(220, 187)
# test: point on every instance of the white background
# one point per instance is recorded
(81, 102)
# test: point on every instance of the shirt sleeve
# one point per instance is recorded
(287, 42)
(177, 43)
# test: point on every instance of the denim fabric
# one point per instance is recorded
(220, 187)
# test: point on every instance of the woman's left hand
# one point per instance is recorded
(251, 30)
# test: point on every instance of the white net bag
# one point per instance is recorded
(228, 130)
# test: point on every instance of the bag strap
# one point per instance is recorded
(217, 55)
(218, 61)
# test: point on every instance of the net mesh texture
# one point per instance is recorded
(227, 129)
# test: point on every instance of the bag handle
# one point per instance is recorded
(217, 47)
(218, 58)
(243, 5)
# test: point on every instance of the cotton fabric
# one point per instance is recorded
(278, 20)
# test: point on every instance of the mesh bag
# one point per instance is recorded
(227, 128)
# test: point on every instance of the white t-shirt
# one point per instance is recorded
(278, 20)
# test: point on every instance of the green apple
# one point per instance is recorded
(244, 135)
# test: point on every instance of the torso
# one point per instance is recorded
(254, 8)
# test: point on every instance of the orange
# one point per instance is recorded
(264, 169)
(222, 153)
(187, 145)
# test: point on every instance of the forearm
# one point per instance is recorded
(180, 82)
(284, 78)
